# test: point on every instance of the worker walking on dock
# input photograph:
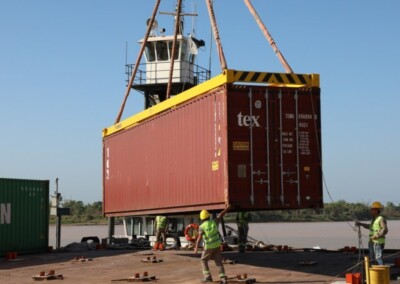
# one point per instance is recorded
(208, 231)
(161, 228)
(242, 221)
(377, 232)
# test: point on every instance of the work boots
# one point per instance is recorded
(207, 279)
(158, 246)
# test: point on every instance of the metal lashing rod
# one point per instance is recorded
(171, 68)
(128, 89)
(268, 36)
(213, 22)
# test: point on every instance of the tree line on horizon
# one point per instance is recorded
(91, 213)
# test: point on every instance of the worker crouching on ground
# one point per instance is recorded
(160, 224)
(242, 221)
(208, 230)
(377, 231)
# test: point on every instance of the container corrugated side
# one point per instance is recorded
(172, 162)
(24, 215)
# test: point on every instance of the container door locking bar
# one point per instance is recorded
(259, 173)
(251, 149)
(267, 145)
(296, 97)
(281, 146)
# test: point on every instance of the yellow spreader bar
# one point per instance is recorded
(227, 76)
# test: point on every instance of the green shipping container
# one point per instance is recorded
(24, 216)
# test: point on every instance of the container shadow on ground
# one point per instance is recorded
(28, 260)
(334, 264)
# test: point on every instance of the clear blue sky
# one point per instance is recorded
(62, 81)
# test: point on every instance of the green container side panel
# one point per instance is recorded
(24, 215)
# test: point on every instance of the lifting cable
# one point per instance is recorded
(359, 263)
(320, 158)
(355, 228)
(211, 41)
(128, 89)
(264, 236)
(360, 245)
(188, 48)
(217, 39)
(268, 36)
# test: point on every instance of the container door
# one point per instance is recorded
(285, 141)
(274, 161)
(260, 162)
(249, 163)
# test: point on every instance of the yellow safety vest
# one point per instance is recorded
(161, 222)
(211, 234)
(243, 218)
(374, 228)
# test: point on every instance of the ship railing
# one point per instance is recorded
(150, 73)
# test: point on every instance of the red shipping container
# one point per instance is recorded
(253, 147)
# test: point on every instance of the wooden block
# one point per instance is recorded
(137, 279)
(152, 260)
(237, 280)
(47, 277)
(246, 280)
(229, 261)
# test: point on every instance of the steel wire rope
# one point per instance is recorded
(186, 72)
(263, 235)
(194, 24)
(211, 43)
(320, 160)
(134, 70)
(344, 272)
(361, 254)
(357, 264)
(358, 230)
(188, 48)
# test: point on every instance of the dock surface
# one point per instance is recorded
(107, 266)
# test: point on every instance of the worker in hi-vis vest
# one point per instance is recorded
(208, 231)
(242, 222)
(160, 224)
(377, 232)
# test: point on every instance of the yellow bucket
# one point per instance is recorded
(379, 274)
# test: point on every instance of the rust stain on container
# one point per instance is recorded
(253, 147)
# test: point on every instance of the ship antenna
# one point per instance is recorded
(126, 53)
(181, 17)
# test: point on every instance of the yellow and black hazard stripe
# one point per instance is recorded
(227, 76)
(288, 79)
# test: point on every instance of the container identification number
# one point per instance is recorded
(5, 213)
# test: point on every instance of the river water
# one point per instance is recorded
(327, 235)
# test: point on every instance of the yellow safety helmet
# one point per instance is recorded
(376, 205)
(204, 214)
